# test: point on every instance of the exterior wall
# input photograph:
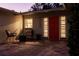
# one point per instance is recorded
(9, 22)
(37, 25)
(38, 19)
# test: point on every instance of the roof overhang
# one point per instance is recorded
(63, 10)
(42, 11)
(7, 11)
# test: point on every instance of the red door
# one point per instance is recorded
(54, 28)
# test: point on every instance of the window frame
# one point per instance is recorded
(28, 24)
(62, 26)
(45, 27)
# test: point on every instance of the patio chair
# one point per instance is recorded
(10, 35)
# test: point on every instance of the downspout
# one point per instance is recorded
(23, 22)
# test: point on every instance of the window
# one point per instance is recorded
(28, 23)
(45, 27)
(63, 27)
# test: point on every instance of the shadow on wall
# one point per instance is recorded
(13, 23)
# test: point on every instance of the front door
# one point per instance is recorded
(54, 28)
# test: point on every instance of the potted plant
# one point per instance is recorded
(22, 38)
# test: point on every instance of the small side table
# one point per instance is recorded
(38, 36)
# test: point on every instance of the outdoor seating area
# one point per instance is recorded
(28, 35)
